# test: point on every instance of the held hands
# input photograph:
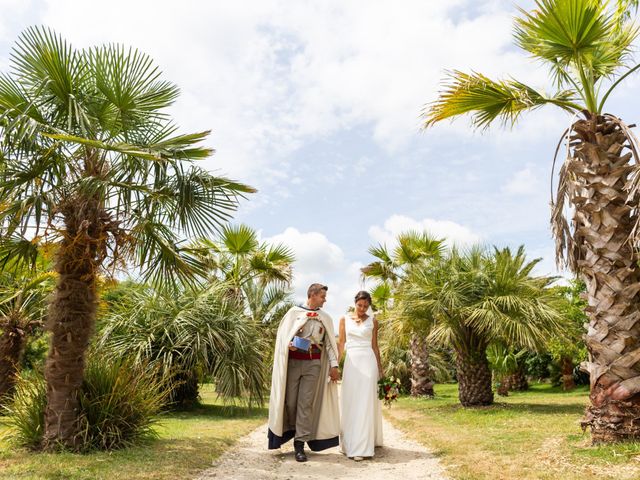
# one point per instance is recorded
(334, 375)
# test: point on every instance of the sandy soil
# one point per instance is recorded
(399, 458)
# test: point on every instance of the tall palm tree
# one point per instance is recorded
(586, 44)
(391, 269)
(91, 161)
(470, 300)
(23, 295)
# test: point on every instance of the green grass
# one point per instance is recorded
(188, 443)
(527, 435)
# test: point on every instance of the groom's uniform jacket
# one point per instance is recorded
(326, 421)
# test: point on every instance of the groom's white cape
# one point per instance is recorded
(326, 421)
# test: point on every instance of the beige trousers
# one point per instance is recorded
(302, 379)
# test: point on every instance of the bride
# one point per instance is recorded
(361, 417)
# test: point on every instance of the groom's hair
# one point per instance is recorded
(316, 288)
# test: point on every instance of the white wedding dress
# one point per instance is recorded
(361, 417)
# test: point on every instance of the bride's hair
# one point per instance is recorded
(363, 295)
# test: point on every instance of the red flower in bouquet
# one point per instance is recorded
(388, 390)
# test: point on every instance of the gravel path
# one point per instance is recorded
(399, 458)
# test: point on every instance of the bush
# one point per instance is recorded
(396, 363)
(35, 351)
(26, 410)
(187, 336)
(538, 366)
(118, 406)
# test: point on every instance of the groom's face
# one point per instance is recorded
(317, 300)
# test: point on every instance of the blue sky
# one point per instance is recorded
(317, 104)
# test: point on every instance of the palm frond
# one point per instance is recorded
(163, 261)
(489, 100)
(239, 239)
(578, 35)
(132, 92)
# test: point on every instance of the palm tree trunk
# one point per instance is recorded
(421, 374)
(517, 381)
(597, 178)
(474, 378)
(185, 394)
(11, 346)
(71, 318)
(566, 369)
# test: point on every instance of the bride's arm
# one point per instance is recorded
(374, 346)
(342, 338)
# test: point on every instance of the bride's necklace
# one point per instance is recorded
(359, 320)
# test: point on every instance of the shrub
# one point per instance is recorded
(35, 351)
(189, 335)
(119, 404)
(26, 409)
(538, 366)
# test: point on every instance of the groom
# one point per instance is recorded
(304, 397)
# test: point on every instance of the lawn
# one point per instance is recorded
(527, 435)
(188, 443)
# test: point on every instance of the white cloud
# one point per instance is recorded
(266, 75)
(319, 260)
(523, 182)
(454, 233)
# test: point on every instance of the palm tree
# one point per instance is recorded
(508, 366)
(258, 275)
(23, 296)
(391, 269)
(586, 44)
(189, 335)
(91, 161)
(467, 301)
(238, 257)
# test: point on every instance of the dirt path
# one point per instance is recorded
(399, 458)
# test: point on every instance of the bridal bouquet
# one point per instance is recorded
(388, 390)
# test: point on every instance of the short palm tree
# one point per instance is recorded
(390, 269)
(586, 44)
(91, 161)
(189, 335)
(467, 301)
(23, 306)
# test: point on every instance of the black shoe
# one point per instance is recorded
(298, 446)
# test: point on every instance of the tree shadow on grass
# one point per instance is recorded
(544, 389)
(522, 408)
(547, 409)
(206, 410)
